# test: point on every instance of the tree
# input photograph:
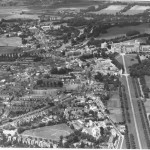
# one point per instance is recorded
(132, 33)
(20, 130)
(82, 145)
(102, 131)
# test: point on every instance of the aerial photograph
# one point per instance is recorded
(75, 74)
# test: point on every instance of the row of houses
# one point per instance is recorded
(35, 142)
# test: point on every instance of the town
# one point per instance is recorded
(63, 86)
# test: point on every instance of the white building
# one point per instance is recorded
(145, 48)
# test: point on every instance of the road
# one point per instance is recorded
(134, 112)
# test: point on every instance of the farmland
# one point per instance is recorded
(112, 9)
(49, 132)
(136, 10)
(7, 11)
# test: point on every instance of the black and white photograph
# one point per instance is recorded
(75, 74)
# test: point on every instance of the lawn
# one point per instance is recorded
(128, 60)
(49, 132)
(136, 10)
(12, 41)
(114, 107)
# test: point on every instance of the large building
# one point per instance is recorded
(125, 47)
(145, 49)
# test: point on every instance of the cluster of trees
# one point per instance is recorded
(117, 64)
(92, 8)
(55, 70)
(107, 79)
(144, 121)
(134, 82)
(77, 135)
(124, 104)
(96, 43)
(141, 69)
(86, 56)
(132, 140)
(128, 145)
(144, 87)
(78, 21)
(132, 33)
(126, 8)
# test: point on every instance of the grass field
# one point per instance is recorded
(128, 60)
(49, 132)
(112, 9)
(12, 41)
(114, 107)
(136, 10)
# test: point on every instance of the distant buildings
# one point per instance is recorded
(125, 47)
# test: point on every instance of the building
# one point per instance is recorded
(144, 49)
(127, 47)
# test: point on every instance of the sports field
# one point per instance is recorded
(12, 41)
(49, 132)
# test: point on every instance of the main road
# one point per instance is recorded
(131, 102)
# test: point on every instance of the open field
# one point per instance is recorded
(112, 9)
(136, 10)
(128, 60)
(12, 41)
(23, 16)
(121, 31)
(114, 107)
(49, 132)
(7, 11)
